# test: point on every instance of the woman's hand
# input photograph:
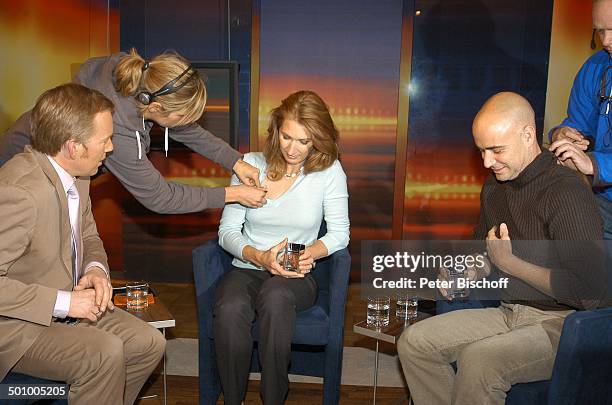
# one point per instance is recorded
(269, 260)
(249, 196)
(471, 273)
(307, 261)
(246, 173)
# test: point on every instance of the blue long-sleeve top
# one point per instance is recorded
(593, 117)
(296, 214)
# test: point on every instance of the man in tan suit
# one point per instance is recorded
(53, 267)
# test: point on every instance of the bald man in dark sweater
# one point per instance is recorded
(542, 230)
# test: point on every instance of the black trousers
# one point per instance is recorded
(242, 296)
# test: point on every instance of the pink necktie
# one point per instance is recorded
(73, 210)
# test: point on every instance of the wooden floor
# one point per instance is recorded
(180, 300)
(184, 390)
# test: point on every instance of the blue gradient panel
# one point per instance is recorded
(349, 53)
(464, 52)
(196, 29)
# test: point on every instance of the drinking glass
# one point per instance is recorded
(291, 256)
(406, 305)
(378, 311)
(457, 289)
(137, 292)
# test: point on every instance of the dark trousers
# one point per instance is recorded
(605, 208)
(242, 296)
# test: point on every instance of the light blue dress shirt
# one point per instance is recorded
(297, 214)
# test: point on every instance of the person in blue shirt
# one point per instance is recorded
(583, 141)
(305, 185)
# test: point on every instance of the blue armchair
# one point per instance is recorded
(319, 331)
(582, 373)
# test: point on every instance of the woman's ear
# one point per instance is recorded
(155, 108)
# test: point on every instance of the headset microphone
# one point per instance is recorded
(147, 98)
(593, 43)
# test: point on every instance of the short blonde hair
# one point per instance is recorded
(309, 110)
(131, 78)
(63, 113)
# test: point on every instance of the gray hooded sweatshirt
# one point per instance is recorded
(137, 173)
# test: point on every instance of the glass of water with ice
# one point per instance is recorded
(406, 305)
(378, 311)
(457, 284)
(137, 292)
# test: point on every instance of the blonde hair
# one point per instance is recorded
(63, 113)
(309, 110)
(131, 78)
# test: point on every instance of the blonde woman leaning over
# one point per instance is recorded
(167, 91)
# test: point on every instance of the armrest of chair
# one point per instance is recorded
(340, 268)
(210, 263)
(582, 371)
(338, 272)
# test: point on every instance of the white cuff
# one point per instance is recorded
(62, 304)
(96, 264)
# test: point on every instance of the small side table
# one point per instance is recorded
(158, 316)
(389, 333)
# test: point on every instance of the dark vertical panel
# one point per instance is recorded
(255, 75)
(402, 118)
(132, 25)
(199, 31)
(464, 52)
(196, 29)
(240, 51)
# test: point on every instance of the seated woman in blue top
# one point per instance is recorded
(305, 185)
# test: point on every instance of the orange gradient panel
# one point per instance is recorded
(354, 105)
(442, 193)
(571, 31)
(42, 41)
(570, 16)
(365, 113)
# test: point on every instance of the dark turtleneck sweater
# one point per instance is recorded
(548, 202)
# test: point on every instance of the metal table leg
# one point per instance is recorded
(164, 370)
(375, 372)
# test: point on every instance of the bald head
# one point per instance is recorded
(504, 131)
(602, 22)
(504, 111)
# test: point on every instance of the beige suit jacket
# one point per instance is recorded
(35, 249)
